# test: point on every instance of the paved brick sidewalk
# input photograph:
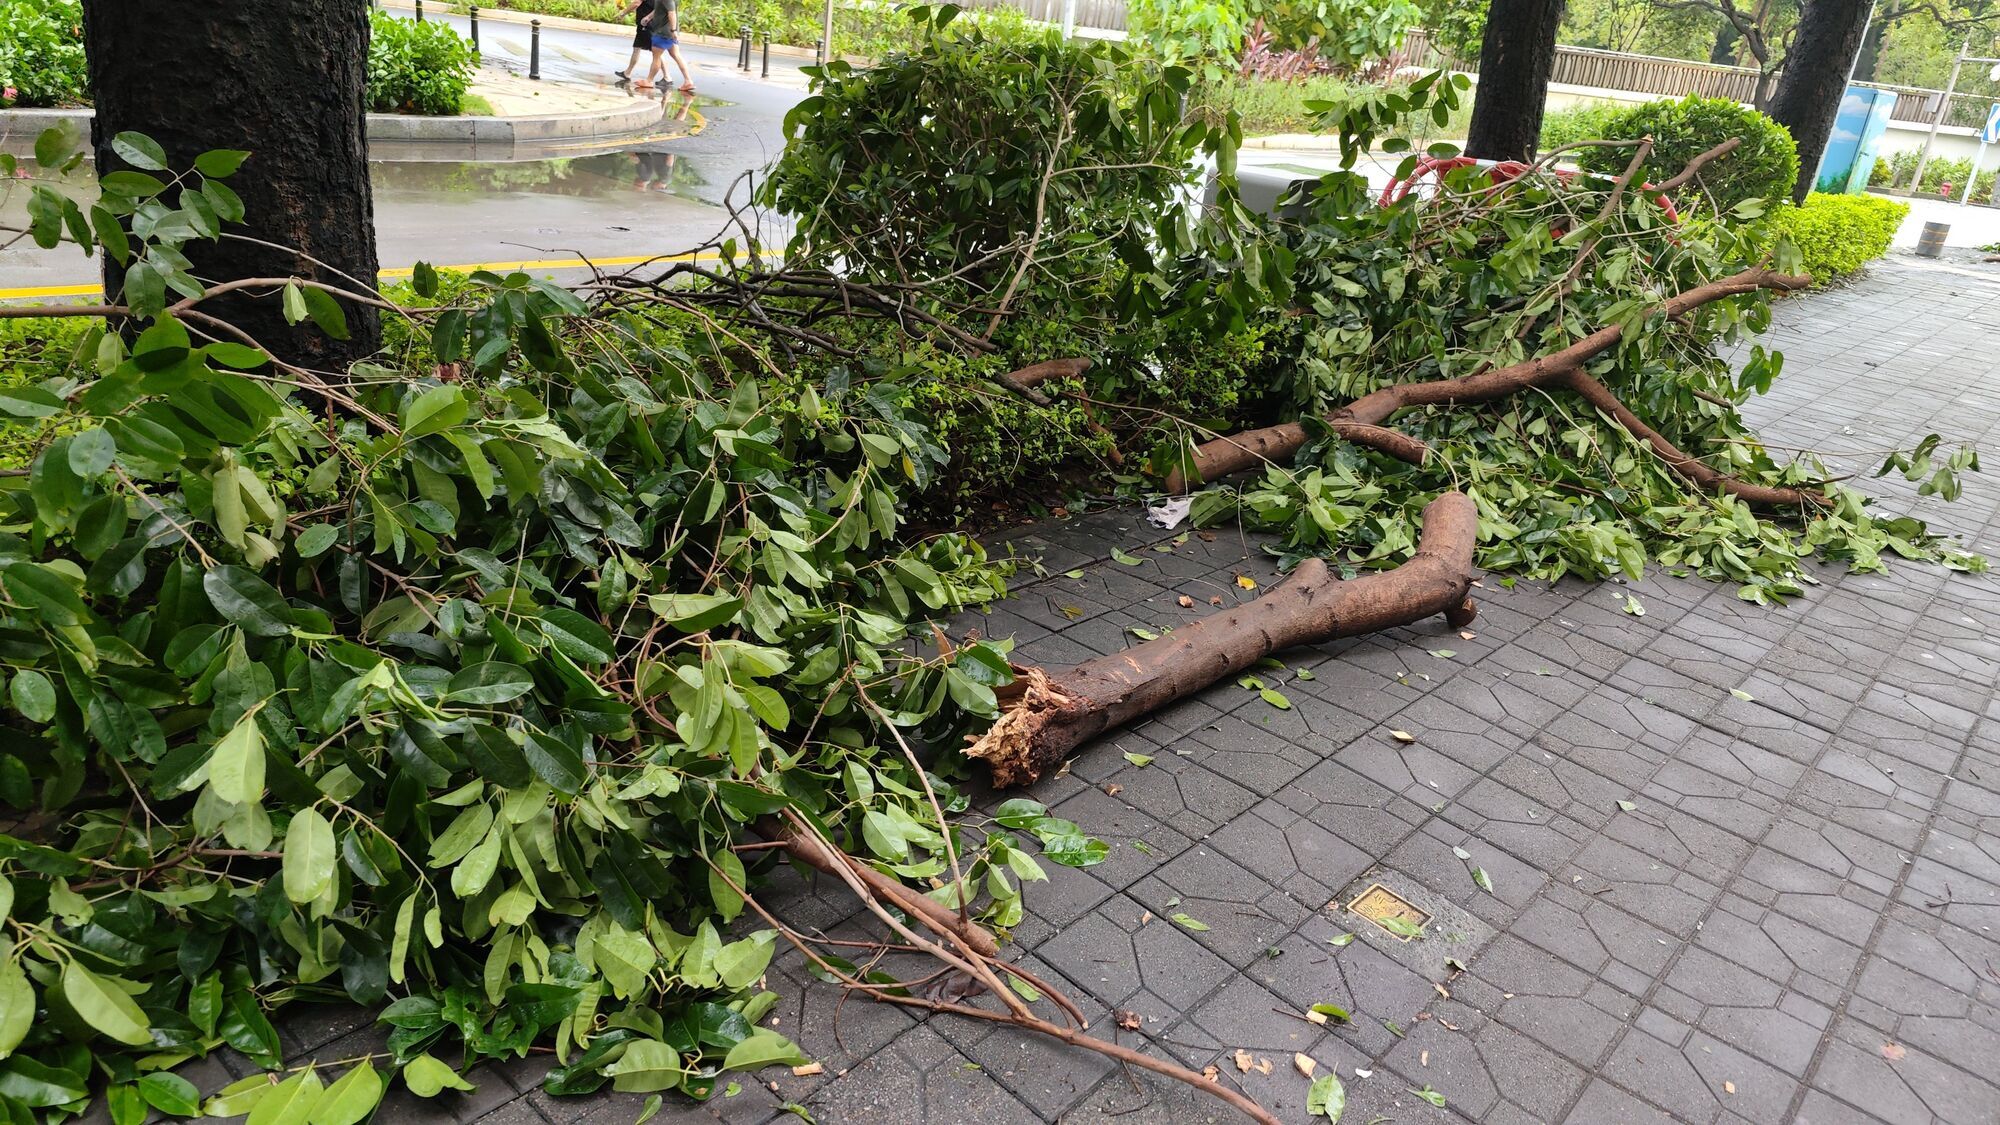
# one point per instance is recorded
(1807, 881)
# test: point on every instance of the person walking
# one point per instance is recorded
(664, 27)
(642, 40)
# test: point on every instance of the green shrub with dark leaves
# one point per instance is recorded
(1764, 168)
(41, 53)
(1838, 234)
(417, 67)
(449, 693)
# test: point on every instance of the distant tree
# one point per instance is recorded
(1516, 58)
(1815, 76)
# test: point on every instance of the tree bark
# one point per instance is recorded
(283, 80)
(1515, 61)
(1050, 713)
(1815, 79)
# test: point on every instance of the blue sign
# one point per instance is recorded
(1991, 134)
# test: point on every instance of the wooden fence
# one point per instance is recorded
(1617, 70)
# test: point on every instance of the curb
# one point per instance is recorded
(399, 127)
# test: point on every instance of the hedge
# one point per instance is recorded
(1838, 234)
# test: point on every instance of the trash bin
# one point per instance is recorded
(1931, 241)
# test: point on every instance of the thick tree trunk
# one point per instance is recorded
(1050, 713)
(283, 80)
(1515, 61)
(1815, 78)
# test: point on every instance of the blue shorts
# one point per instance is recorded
(663, 42)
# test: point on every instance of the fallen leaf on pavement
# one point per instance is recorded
(808, 1070)
(1247, 582)
(1893, 1052)
(1402, 736)
(1244, 1060)
(1264, 1066)
(1305, 1063)
(1729, 1087)
(1212, 1073)
(1185, 601)
(1128, 1019)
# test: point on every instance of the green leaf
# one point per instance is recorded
(1633, 607)
(426, 1077)
(170, 1094)
(1140, 760)
(1123, 559)
(294, 303)
(52, 146)
(220, 162)
(247, 601)
(434, 411)
(1275, 698)
(576, 636)
(1628, 806)
(33, 695)
(325, 312)
(763, 1048)
(350, 1100)
(728, 901)
(314, 541)
(236, 764)
(694, 613)
(1194, 924)
(740, 963)
(1742, 695)
(1430, 1095)
(309, 856)
(140, 151)
(17, 1005)
(1333, 1012)
(646, 1066)
(489, 682)
(1327, 1097)
(104, 1005)
(91, 453)
(1485, 881)
(1402, 927)
(1339, 940)
(30, 402)
(290, 1103)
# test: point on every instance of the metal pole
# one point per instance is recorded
(474, 13)
(1854, 64)
(420, 11)
(826, 50)
(1972, 177)
(1068, 18)
(819, 52)
(1916, 181)
(767, 55)
(535, 49)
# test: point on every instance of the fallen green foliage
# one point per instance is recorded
(446, 696)
(1471, 279)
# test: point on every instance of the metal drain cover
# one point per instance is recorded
(1379, 904)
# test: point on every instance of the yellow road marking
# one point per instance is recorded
(405, 271)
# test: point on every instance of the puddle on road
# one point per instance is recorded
(649, 169)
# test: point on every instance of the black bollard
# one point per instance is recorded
(767, 54)
(474, 13)
(743, 49)
(819, 51)
(535, 50)
(420, 11)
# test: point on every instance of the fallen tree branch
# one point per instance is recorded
(1693, 468)
(814, 853)
(1361, 421)
(1048, 714)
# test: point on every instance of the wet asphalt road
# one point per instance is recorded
(658, 195)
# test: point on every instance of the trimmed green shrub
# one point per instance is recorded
(35, 351)
(1838, 234)
(1590, 122)
(423, 68)
(1764, 167)
(41, 53)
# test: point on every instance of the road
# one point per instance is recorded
(659, 196)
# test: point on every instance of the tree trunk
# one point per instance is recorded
(1815, 78)
(1515, 61)
(283, 80)
(1050, 713)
